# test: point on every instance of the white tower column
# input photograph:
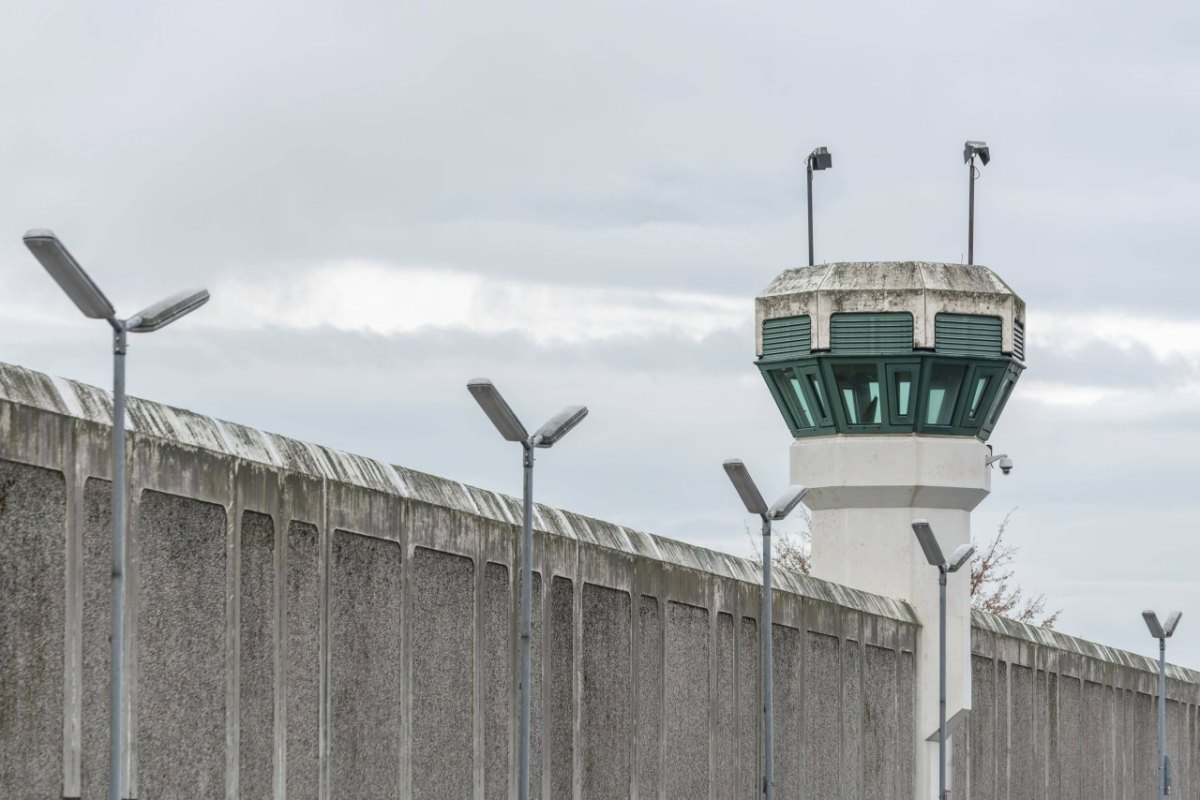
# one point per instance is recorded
(864, 492)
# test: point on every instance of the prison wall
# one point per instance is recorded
(304, 623)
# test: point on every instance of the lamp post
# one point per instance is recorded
(78, 286)
(820, 158)
(510, 427)
(933, 554)
(755, 504)
(1162, 633)
(971, 150)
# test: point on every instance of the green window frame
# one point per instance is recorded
(951, 372)
(902, 407)
(979, 391)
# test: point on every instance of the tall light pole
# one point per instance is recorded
(66, 271)
(933, 554)
(820, 158)
(1162, 633)
(510, 427)
(972, 150)
(752, 498)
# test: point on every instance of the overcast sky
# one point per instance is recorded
(580, 201)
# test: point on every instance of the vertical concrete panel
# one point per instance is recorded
(686, 712)
(365, 660)
(562, 688)
(880, 734)
(822, 718)
(906, 698)
(33, 511)
(181, 648)
(256, 710)
(726, 711)
(1002, 730)
(789, 712)
(983, 728)
(97, 628)
(1041, 716)
(749, 711)
(1053, 737)
(497, 672)
(1021, 765)
(606, 722)
(442, 626)
(650, 694)
(1145, 734)
(1070, 749)
(303, 683)
(959, 769)
(852, 718)
(1093, 733)
(536, 717)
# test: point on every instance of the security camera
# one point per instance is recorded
(1006, 463)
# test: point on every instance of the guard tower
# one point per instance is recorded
(891, 377)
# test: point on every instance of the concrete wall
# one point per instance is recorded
(1059, 718)
(309, 624)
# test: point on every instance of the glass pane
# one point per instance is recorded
(904, 381)
(981, 385)
(793, 380)
(818, 394)
(859, 387)
(944, 382)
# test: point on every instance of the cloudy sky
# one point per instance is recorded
(580, 201)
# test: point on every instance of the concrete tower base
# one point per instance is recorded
(864, 492)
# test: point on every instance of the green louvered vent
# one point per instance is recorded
(1019, 340)
(871, 333)
(967, 335)
(787, 337)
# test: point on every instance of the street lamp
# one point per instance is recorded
(510, 427)
(755, 504)
(78, 286)
(971, 151)
(819, 158)
(933, 554)
(1162, 633)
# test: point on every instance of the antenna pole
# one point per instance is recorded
(810, 213)
(970, 213)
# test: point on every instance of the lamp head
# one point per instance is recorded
(559, 426)
(975, 148)
(961, 555)
(1152, 623)
(746, 488)
(785, 504)
(67, 273)
(929, 543)
(167, 310)
(820, 158)
(497, 410)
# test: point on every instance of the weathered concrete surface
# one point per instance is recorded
(353, 624)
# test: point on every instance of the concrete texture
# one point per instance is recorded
(365, 654)
(357, 613)
(302, 685)
(180, 635)
(256, 695)
(442, 674)
(606, 720)
(32, 531)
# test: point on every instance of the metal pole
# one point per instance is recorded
(116, 728)
(971, 213)
(810, 213)
(1162, 718)
(768, 690)
(526, 623)
(942, 793)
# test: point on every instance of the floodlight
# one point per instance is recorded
(784, 505)
(559, 426)
(1156, 629)
(67, 273)
(740, 476)
(167, 310)
(929, 543)
(974, 148)
(1172, 621)
(961, 555)
(497, 410)
(820, 158)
